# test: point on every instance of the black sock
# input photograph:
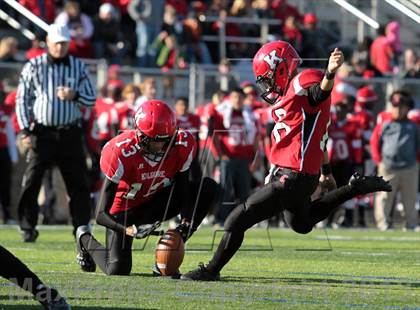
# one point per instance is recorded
(96, 250)
(228, 246)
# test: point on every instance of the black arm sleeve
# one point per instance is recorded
(210, 126)
(106, 199)
(316, 95)
(182, 185)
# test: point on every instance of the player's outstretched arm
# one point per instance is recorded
(334, 62)
(106, 199)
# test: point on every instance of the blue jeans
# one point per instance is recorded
(145, 35)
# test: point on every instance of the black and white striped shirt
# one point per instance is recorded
(36, 99)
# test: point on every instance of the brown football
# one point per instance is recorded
(170, 252)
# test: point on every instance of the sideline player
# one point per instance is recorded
(301, 110)
(146, 181)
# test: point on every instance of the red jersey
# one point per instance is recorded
(366, 122)
(237, 131)
(345, 142)
(300, 132)
(91, 130)
(107, 118)
(205, 113)
(4, 119)
(414, 116)
(189, 122)
(383, 116)
(138, 178)
(125, 113)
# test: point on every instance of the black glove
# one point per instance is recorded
(149, 229)
(185, 230)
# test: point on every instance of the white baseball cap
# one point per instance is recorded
(106, 8)
(58, 33)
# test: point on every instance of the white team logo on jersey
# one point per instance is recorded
(272, 59)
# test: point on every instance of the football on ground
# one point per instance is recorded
(170, 253)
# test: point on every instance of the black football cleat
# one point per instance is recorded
(201, 274)
(29, 235)
(83, 258)
(369, 184)
(51, 300)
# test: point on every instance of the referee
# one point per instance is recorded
(53, 87)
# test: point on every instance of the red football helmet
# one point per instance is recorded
(273, 66)
(154, 121)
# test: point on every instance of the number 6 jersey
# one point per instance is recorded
(300, 132)
(138, 178)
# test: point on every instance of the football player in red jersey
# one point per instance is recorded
(301, 111)
(345, 153)
(146, 182)
(189, 122)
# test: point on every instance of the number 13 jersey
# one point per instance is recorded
(300, 132)
(138, 178)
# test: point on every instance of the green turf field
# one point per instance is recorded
(364, 270)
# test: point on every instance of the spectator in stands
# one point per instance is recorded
(312, 42)
(8, 49)
(282, 9)
(226, 80)
(81, 29)
(263, 9)
(107, 35)
(37, 48)
(363, 49)
(197, 51)
(180, 6)
(168, 56)
(237, 147)
(114, 76)
(381, 53)
(125, 108)
(361, 68)
(44, 9)
(392, 31)
(130, 94)
(395, 145)
(148, 17)
(291, 32)
(52, 89)
(148, 92)
(411, 64)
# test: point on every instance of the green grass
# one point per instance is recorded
(364, 270)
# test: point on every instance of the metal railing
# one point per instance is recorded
(414, 15)
(199, 82)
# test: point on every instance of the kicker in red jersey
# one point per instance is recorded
(300, 132)
(139, 178)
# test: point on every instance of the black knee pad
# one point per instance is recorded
(210, 186)
(236, 219)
